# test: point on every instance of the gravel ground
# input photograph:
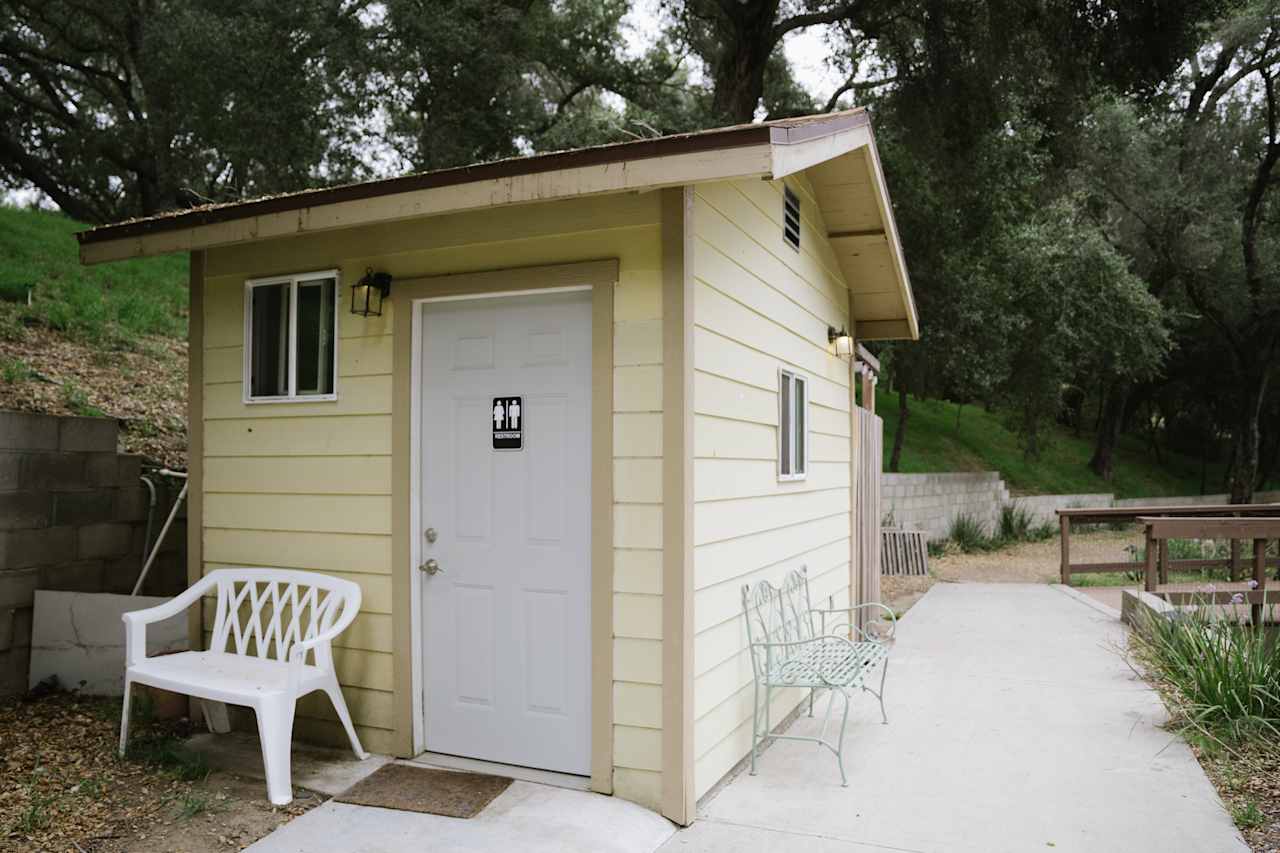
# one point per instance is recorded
(1029, 562)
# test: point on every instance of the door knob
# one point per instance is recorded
(431, 567)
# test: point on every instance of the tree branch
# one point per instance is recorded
(812, 19)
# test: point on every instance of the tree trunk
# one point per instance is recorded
(1244, 474)
(900, 433)
(1108, 435)
(739, 65)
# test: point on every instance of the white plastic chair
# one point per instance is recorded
(268, 621)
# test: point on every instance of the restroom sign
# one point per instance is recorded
(508, 423)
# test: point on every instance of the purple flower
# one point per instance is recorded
(1238, 598)
(1253, 584)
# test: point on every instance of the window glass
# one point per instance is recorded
(315, 337)
(784, 438)
(269, 341)
(801, 395)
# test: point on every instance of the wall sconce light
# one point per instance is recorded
(367, 293)
(843, 341)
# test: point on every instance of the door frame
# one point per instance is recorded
(406, 582)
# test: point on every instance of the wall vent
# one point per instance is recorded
(791, 217)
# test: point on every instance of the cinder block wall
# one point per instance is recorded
(73, 515)
(930, 502)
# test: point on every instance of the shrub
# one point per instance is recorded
(1018, 524)
(1226, 676)
(969, 534)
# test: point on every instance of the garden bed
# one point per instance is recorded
(1220, 680)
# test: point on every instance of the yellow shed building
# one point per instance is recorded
(591, 394)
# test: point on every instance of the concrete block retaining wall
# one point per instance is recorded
(73, 516)
(931, 502)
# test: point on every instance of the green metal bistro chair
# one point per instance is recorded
(789, 648)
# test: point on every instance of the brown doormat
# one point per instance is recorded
(422, 789)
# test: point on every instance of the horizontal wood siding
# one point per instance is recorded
(759, 306)
(309, 485)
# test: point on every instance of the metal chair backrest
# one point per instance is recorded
(777, 614)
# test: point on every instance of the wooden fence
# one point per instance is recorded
(866, 514)
(1106, 515)
(1160, 529)
(903, 552)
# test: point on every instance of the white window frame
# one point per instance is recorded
(799, 464)
(293, 279)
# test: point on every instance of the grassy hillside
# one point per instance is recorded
(944, 437)
(99, 341)
(110, 303)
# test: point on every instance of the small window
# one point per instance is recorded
(793, 426)
(290, 337)
(791, 217)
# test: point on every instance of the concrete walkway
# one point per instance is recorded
(1014, 725)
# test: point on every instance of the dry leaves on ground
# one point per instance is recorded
(62, 788)
(144, 387)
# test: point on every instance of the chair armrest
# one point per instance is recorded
(350, 609)
(849, 611)
(136, 621)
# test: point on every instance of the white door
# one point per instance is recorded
(507, 618)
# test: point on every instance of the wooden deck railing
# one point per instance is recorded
(1112, 514)
(1160, 529)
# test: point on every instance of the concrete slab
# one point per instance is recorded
(79, 637)
(316, 768)
(527, 817)
(1014, 725)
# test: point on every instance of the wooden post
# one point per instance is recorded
(1164, 561)
(1151, 561)
(1259, 575)
(1064, 522)
(1235, 559)
(868, 391)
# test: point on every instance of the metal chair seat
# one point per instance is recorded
(828, 662)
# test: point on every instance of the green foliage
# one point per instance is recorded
(14, 370)
(1070, 301)
(943, 438)
(169, 753)
(36, 816)
(78, 401)
(112, 303)
(1018, 524)
(194, 803)
(1227, 676)
(1248, 816)
(176, 103)
(970, 535)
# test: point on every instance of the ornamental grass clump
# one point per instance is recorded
(1225, 674)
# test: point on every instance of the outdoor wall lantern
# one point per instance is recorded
(842, 339)
(367, 293)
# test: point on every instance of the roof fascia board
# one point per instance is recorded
(712, 164)
(793, 156)
(895, 246)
